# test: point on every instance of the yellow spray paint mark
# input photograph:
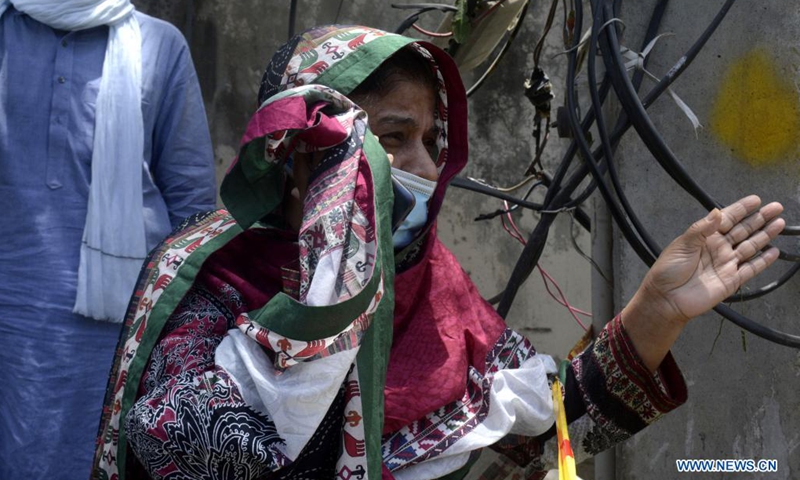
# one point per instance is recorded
(757, 112)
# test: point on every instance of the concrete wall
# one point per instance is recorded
(743, 400)
(743, 391)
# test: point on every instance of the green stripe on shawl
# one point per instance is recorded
(373, 358)
(345, 75)
(252, 196)
(162, 310)
(251, 201)
(281, 313)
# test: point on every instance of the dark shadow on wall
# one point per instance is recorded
(204, 47)
(200, 36)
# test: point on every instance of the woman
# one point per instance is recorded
(296, 336)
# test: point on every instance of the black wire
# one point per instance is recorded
(556, 197)
(649, 241)
(512, 208)
(745, 296)
(757, 329)
(472, 185)
(338, 11)
(615, 210)
(644, 126)
(431, 6)
(619, 73)
(653, 246)
(474, 87)
(580, 215)
(612, 48)
(537, 50)
(538, 237)
(533, 249)
(635, 108)
(421, 8)
(572, 150)
(605, 142)
(638, 77)
(292, 18)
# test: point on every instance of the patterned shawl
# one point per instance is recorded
(254, 353)
(345, 246)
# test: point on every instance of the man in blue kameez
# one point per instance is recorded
(104, 148)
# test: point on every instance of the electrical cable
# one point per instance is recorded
(421, 8)
(535, 246)
(644, 250)
(292, 18)
(431, 34)
(580, 216)
(605, 142)
(645, 131)
(475, 86)
(641, 121)
(572, 149)
(738, 297)
(338, 12)
(631, 115)
(489, 216)
(638, 77)
(745, 296)
(615, 67)
(548, 24)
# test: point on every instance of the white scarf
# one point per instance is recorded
(113, 247)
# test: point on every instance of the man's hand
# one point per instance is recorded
(699, 269)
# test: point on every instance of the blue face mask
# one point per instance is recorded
(422, 190)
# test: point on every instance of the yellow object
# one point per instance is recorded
(757, 112)
(566, 459)
(581, 345)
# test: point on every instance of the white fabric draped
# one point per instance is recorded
(114, 245)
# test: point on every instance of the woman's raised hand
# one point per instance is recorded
(699, 269)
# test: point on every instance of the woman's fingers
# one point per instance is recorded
(750, 269)
(751, 224)
(737, 211)
(758, 240)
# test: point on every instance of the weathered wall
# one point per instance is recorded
(743, 391)
(743, 401)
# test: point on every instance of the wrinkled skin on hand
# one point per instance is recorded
(703, 266)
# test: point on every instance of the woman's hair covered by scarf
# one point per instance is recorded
(364, 63)
(281, 73)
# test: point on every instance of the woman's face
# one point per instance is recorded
(403, 120)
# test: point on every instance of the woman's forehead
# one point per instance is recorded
(407, 104)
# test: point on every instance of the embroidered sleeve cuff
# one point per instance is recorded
(620, 393)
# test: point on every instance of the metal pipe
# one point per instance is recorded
(602, 304)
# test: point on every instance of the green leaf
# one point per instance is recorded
(461, 23)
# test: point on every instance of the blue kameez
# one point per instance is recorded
(54, 364)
